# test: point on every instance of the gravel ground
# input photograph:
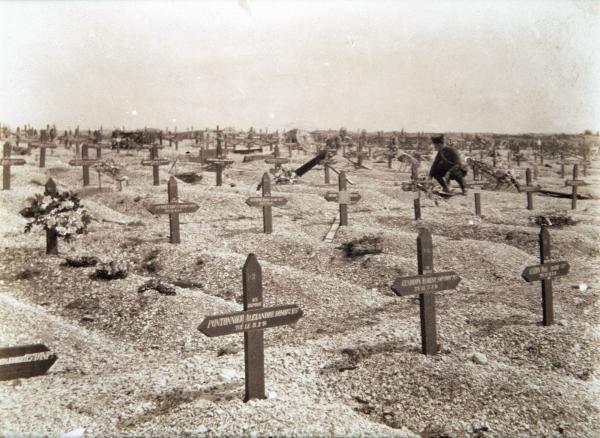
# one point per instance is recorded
(134, 363)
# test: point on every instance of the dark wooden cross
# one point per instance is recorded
(426, 284)
(266, 201)
(42, 147)
(343, 197)
(85, 162)
(416, 186)
(7, 162)
(277, 162)
(173, 209)
(252, 321)
(31, 367)
(155, 162)
(51, 235)
(529, 189)
(220, 162)
(574, 183)
(545, 272)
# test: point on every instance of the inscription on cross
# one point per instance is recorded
(37, 361)
(545, 272)
(85, 162)
(343, 198)
(426, 284)
(173, 209)
(252, 321)
(155, 162)
(7, 162)
(266, 201)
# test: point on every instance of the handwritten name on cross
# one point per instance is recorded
(545, 272)
(7, 162)
(37, 361)
(85, 162)
(173, 209)
(252, 321)
(426, 284)
(574, 183)
(343, 198)
(266, 202)
(155, 162)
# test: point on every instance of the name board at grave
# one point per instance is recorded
(420, 284)
(84, 162)
(157, 162)
(12, 162)
(25, 361)
(343, 197)
(575, 182)
(182, 207)
(259, 201)
(546, 271)
(255, 319)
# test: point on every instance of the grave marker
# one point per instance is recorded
(252, 321)
(85, 163)
(173, 209)
(23, 369)
(42, 147)
(51, 235)
(266, 202)
(416, 187)
(277, 162)
(343, 198)
(155, 162)
(545, 272)
(529, 189)
(7, 162)
(426, 283)
(574, 183)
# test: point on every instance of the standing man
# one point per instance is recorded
(447, 163)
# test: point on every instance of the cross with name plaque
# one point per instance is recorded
(252, 321)
(545, 272)
(343, 197)
(173, 209)
(426, 284)
(7, 162)
(155, 162)
(220, 162)
(529, 189)
(266, 201)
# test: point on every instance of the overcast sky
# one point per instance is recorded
(504, 66)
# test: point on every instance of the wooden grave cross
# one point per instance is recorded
(266, 201)
(277, 162)
(42, 147)
(252, 321)
(173, 209)
(416, 186)
(85, 162)
(155, 162)
(37, 364)
(343, 197)
(426, 283)
(51, 235)
(545, 272)
(529, 189)
(7, 162)
(220, 162)
(574, 183)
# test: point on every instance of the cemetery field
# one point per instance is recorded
(132, 361)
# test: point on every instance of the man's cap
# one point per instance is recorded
(438, 139)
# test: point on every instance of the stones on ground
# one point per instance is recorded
(363, 246)
(161, 286)
(112, 270)
(479, 358)
(82, 262)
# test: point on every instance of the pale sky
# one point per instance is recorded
(473, 66)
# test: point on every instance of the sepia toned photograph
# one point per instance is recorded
(300, 218)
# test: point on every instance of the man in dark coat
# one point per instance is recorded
(447, 162)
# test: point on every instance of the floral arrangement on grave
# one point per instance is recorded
(283, 175)
(60, 213)
(108, 167)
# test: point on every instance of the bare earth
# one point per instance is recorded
(136, 363)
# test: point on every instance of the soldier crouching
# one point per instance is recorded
(447, 163)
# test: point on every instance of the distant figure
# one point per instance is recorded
(447, 163)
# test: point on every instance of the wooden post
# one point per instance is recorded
(417, 204)
(51, 235)
(6, 167)
(547, 298)
(173, 197)
(85, 167)
(267, 209)
(529, 194)
(426, 301)
(42, 156)
(342, 186)
(254, 360)
(155, 168)
(477, 204)
(574, 189)
(326, 171)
